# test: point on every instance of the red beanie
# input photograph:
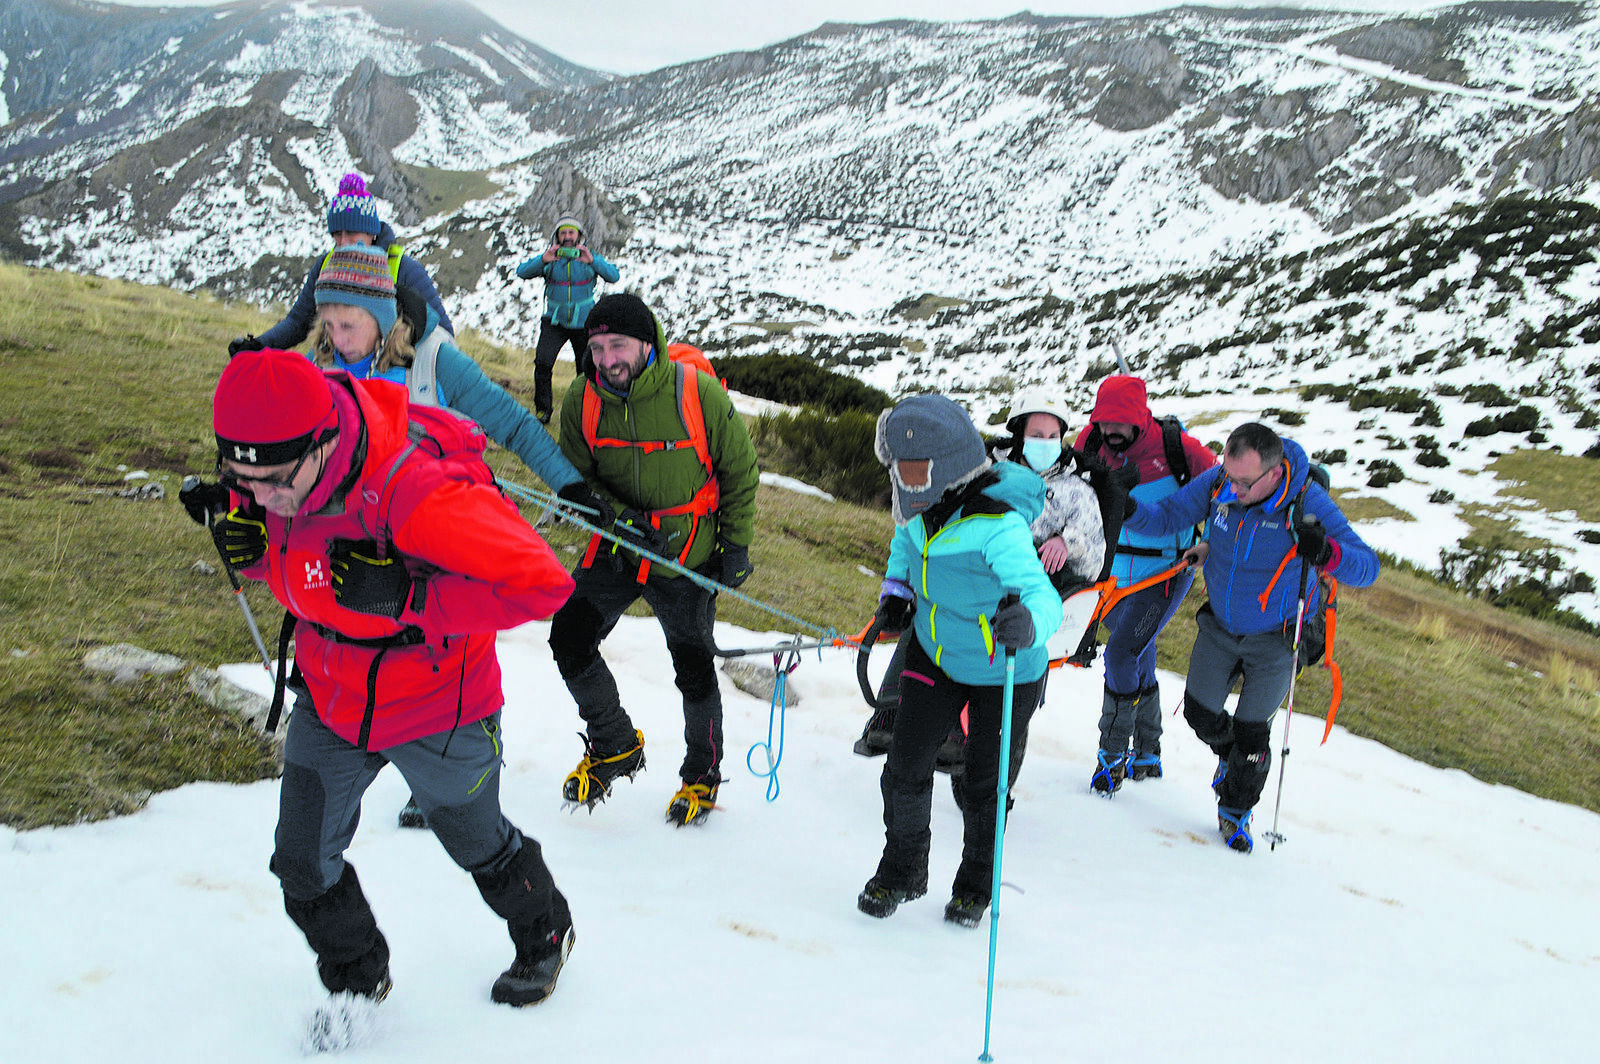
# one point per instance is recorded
(269, 406)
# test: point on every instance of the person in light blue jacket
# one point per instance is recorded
(1270, 530)
(372, 329)
(569, 270)
(963, 575)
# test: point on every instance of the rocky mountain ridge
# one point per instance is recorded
(1252, 201)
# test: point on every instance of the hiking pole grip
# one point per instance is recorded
(191, 485)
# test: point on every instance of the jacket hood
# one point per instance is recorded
(1122, 399)
(1021, 489)
(1299, 469)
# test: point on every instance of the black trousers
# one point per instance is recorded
(551, 337)
(685, 612)
(930, 705)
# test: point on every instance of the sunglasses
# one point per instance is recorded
(242, 484)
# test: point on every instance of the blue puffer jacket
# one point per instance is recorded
(568, 287)
(463, 387)
(1249, 544)
(296, 325)
(963, 571)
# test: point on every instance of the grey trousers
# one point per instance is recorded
(324, 777)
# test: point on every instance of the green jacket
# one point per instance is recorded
(658, 480)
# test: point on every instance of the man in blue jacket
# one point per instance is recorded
(569, 270)
(1270, 531)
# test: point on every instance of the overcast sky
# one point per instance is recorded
(633, 36)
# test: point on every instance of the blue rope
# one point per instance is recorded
(776, 711)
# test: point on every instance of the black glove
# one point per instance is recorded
(1012, 624)
(1129, 505)
(368, 584)
(202, 501)
(735, 560)
(897, 604)
(244, 343)
(1313, 542)
(635, 528)
(240, 535)
(580, 494)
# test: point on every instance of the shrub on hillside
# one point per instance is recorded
(834, 453)
(1522, 419)
(797, 381)
(1384, 473)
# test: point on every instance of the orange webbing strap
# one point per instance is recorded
(708, 496)
(1336, 678)
(1110, 594)
(1266, 593)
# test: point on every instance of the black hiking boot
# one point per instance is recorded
(692, 804)
(965, 909)
(590, 783)
(880, 898)
(532, 976)
(411, 814)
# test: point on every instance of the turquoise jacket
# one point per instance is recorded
(568, 286)
(961, 573)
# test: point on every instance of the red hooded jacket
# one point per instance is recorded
(1123, 399)
(493, 572)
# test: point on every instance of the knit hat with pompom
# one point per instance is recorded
(353, 209)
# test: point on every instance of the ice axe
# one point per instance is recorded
(1122, 363)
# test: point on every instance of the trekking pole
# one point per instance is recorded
(192, 483)
(1003, 786)
(1273, 836)
(633, 544)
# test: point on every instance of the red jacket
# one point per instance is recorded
(495, 573)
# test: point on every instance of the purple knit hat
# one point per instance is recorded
(353, 209)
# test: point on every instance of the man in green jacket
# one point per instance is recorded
(663, 444)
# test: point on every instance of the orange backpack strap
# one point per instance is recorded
(690, 413)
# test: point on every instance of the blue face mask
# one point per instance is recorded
(1041, 454)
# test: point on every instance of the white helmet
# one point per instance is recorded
(1036, 403)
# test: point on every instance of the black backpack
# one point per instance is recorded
(1171, 443)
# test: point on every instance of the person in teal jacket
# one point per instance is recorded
(370, 328)
(1270, 530)
(569, 270)
(964, 576)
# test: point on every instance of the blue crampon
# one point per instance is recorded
(1235, 827)
(1110, 770)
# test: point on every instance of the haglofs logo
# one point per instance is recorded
(244, 454)
(316, 575)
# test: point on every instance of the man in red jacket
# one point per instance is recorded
(395, 649)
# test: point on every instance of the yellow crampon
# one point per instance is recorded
(590, 783)
(692, 803)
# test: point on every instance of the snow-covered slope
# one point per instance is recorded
(1411, 913)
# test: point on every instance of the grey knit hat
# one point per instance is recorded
(933, 429)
